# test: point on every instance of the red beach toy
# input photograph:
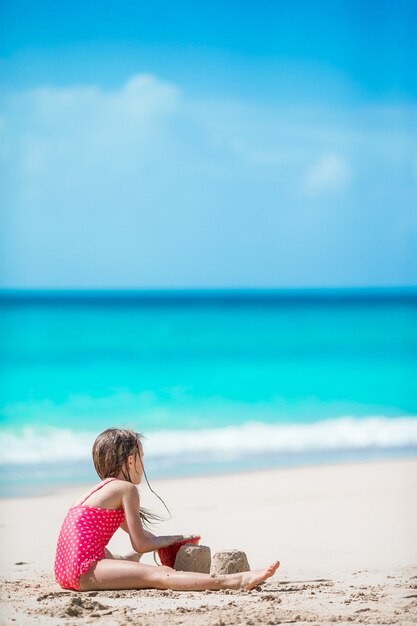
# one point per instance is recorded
(167, 555)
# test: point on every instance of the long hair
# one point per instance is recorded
(111, 451)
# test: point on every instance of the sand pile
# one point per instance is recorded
(192, 558)
(229, 562)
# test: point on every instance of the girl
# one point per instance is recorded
(82, 562)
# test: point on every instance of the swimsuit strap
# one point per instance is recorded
(96, 489)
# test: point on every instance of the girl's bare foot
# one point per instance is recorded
(253, 578)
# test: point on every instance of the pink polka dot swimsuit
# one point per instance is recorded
(85, 532)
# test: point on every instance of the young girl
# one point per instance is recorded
(82, 562)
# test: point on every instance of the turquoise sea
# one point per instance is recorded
(217, 380)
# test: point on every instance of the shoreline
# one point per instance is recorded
(387, 456)
(345, 536)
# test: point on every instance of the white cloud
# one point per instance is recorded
(330, 174)
(144, 185)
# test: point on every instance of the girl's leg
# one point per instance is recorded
(114, 574)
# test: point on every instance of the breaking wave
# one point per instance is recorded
(47, 444)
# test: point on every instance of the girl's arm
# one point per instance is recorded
(141, 540)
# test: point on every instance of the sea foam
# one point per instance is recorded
(47, 444)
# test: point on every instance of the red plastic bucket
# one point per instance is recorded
(167, 555)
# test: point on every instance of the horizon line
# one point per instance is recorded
(208, 295)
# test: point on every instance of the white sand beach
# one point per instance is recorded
(345, 535)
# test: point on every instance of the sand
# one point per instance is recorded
(345, 535)
(192, 558)
(229, 562)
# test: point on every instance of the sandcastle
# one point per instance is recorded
(194, 558)
(191, 558)
(229, 562)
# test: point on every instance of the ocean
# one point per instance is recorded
(218, 381)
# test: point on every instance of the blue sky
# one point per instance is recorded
(221, 144)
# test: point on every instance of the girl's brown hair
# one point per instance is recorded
(111, 451)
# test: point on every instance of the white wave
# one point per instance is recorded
(32, 445)
(37, 445)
